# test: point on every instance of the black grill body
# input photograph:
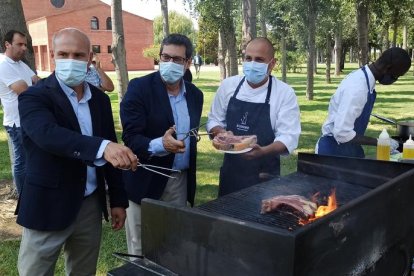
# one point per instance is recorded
(371, 233)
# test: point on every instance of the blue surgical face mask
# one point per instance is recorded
(71, 71)
(171, 72)
(255, 72)
(387, 79)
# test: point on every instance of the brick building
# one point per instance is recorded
(45, 17)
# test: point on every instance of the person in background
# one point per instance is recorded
(343, 132)
(156, 113)
(97, 77)
(68, 132)
(197, 61)
(255, 104)
(15, 78)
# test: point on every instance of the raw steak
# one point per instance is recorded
(229, 142)
(300, 204)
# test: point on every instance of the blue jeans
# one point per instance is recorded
(19, 159)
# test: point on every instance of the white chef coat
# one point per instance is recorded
(10, 72)
(284, 108)
(346, 105)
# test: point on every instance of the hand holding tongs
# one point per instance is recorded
(194, 133)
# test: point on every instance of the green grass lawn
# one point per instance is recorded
(395, 101)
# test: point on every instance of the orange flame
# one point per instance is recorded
(322, 210)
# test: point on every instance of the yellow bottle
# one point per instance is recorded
(408, 149)
(383, 146)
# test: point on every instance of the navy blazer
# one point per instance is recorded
(57, 155)
(146, 114)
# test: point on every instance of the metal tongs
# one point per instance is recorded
(193, 133)
(149, 168)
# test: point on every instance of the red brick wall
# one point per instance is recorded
(138, 33)
(38, 8)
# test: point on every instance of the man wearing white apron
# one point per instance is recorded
(343, 132)
(255, 104)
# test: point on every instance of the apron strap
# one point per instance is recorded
(366, 78)
(269, 89)
(238, 87)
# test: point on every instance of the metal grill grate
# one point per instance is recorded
(246, 204)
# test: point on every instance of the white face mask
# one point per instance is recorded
(71, 71)
(255, 72)
(171, 72)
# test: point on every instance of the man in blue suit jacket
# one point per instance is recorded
(70, 142)
(156, 112)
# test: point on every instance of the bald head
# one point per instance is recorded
(264, 43)
(70, 43)
(73, 33)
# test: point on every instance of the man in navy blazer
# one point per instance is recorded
(70, 142)
(156, 113)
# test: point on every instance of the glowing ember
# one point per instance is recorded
(322, 210)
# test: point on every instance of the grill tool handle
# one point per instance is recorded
(384, 119)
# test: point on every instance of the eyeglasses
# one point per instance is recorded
(178, 60)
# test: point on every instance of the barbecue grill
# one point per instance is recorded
(371, 232)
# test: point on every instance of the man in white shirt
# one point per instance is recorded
(255, 104)
(15, 78)
(343, 132)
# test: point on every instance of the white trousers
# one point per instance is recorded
(175, 192)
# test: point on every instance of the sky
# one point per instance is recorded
(152, 8)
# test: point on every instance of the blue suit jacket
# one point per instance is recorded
(146, 114)
(57, 154)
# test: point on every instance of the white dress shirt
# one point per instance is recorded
(346, 105)
(284, 108)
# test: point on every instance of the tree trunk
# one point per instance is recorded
(394, 35)
(328, 59)
(249, 21)
(12, 18)
(118, 48)
(263, 25)
(229, 36)
(315, 62)
(222, 55)
(284, 65)
(311, 47)
(385, 38)
(164, 12)
(362, 22)
(404, 46)
(338, 49)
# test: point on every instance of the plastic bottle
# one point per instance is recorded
(383, 146)
(408, 149)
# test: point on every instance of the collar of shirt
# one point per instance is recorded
(9, 60)
(87, 95)
(181, 93)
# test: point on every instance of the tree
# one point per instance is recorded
(312, 14)
(362, 22)
(165, 24)
(249, 22)
(118, 48)
(12, 18)
(218, 15)
(178, 24)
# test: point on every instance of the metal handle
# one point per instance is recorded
(384, 119)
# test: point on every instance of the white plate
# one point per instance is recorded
(237, 151)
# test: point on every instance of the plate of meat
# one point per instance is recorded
(233, 144)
